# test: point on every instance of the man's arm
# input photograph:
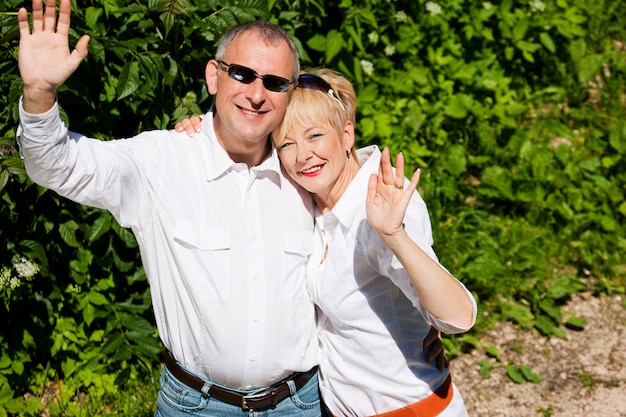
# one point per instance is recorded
(44, 58)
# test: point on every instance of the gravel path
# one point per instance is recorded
(584, 375)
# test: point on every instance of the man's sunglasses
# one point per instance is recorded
(247, 76)
(315, 82)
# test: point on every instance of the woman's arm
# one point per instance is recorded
(387, 200)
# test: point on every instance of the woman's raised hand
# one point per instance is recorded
(387, 196)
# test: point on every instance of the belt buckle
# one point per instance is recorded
(246, 398)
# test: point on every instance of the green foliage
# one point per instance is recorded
(519, 374)
(513, 110)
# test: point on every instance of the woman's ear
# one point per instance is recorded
(210, 74)
(348, 134)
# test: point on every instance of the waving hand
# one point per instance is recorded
(387, 198)
(44, 57)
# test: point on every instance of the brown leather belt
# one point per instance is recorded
(258, 401)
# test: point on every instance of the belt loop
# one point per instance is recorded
(292, 387)
(205, 389)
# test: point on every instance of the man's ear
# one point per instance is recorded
(210, 74)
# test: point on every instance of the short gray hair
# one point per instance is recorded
(270, 33)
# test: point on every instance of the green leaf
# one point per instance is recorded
(89, 314)
(562, 287)
(617, 136)
(97, 298)
(551, 309)
(67, 231)
(589, 67)
(99, 227)
(547, 42)
(4, 178)
(493, 352)
(520, 315)
(129, 80)
(125, 234)
(458, 106)
(92, 14)
(546, 326)
(515, 374)
(484, 368)
(529, 375)
(455, 160)
(519, 31)
(317, 42)
(334, 43)
(576, 323)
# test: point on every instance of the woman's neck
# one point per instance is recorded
(325, 201)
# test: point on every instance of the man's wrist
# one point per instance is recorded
(38, 100)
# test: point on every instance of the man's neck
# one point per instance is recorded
(251, 156)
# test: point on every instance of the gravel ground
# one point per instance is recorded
(584, 375)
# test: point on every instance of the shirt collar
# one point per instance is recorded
(220, 163)
(353, 198)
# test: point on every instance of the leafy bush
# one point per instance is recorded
(514, 111)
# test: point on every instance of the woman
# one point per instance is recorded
(375, 279)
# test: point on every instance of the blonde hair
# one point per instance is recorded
(309, 106)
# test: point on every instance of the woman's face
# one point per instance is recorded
(314, 155)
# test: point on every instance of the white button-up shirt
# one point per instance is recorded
(224, 247)
(371, 321)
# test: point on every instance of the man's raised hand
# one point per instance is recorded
(44, 57)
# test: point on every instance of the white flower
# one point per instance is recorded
(390, 50)
(433, 8)
(401, 16)
(25, 268)
(373, 37)
(76, 289)
(537, 6)
(367, 66)
(5, 277)
(14, 282)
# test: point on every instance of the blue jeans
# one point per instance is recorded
(175, 399)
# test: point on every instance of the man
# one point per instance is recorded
(224, 236)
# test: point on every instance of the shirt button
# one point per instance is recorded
(256, 318)
(253, 358)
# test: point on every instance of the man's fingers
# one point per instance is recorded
(81, 47)
(37, 15)
(49, 16)
(22, 22)
(65, 12)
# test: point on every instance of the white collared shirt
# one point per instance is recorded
(224, 247)
(371, 321)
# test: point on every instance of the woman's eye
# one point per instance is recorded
(284, 145)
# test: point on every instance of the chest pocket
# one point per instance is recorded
(204, 256)
(297, 247)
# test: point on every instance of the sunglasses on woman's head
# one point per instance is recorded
(315, 82)
(247, 76)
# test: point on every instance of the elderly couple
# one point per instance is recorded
(277, 254)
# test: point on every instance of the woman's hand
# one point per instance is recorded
(387, 197)
(191, 125)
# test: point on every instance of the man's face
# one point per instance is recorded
(249, 112)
